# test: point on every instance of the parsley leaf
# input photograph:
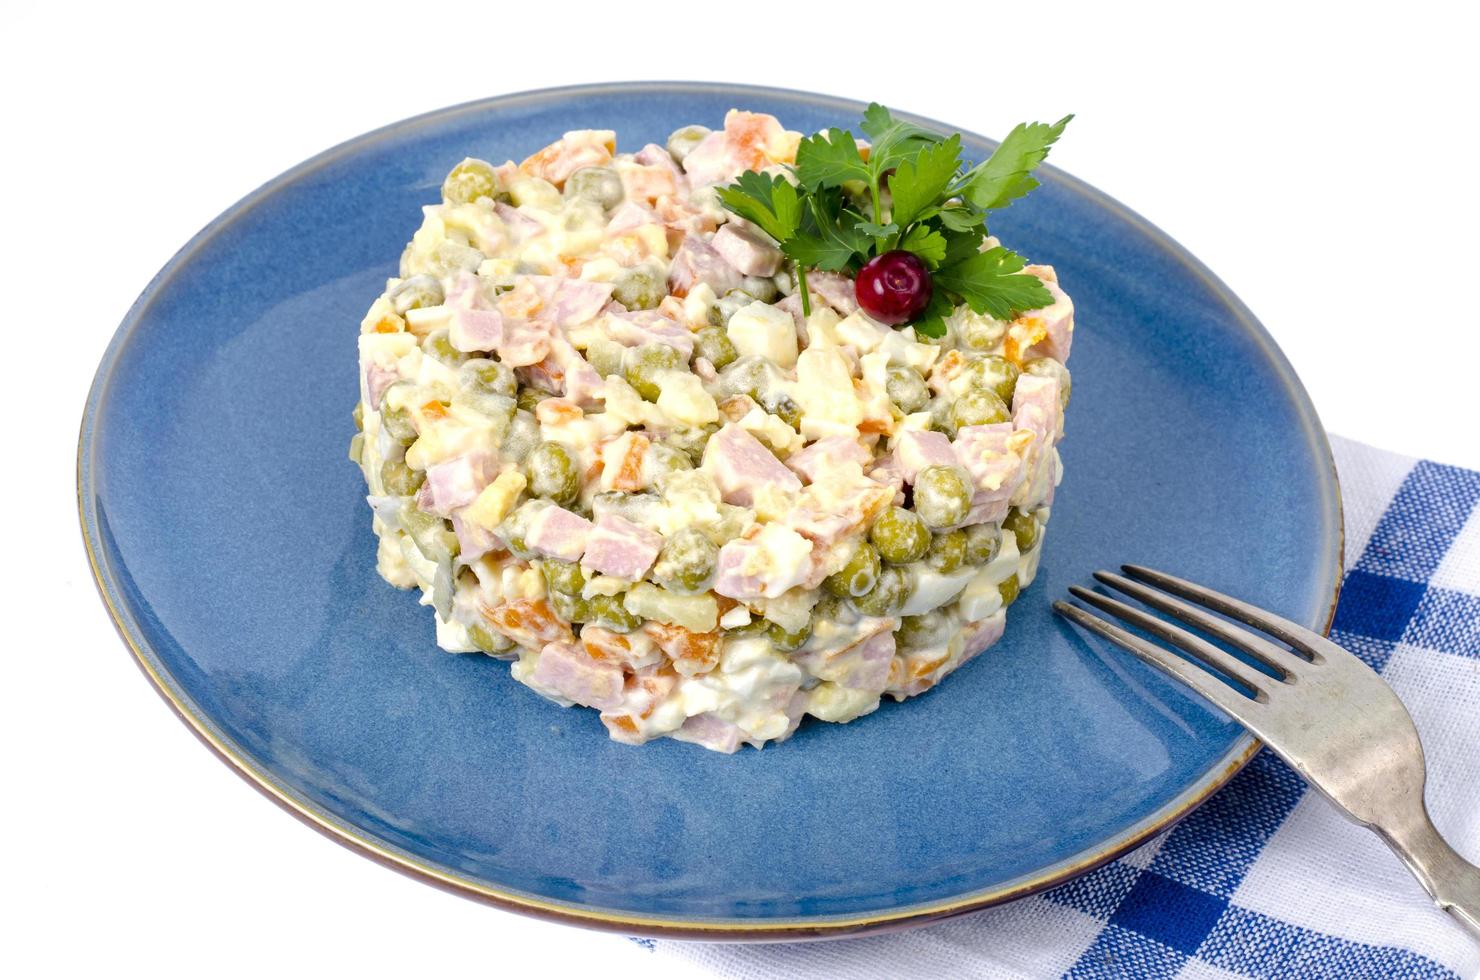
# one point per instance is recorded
(993, 282)
(830, 237)
(959, 217)
(919, 182)
(1004, 177)
(878, 231)
(892, 139)
(926, 242)
(828, 159)
(766, 200)
(932, 322)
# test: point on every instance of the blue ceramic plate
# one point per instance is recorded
(232, 544)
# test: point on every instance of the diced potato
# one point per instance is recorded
(695, 613)
(763, 329)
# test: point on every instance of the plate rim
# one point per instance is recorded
(671, 926)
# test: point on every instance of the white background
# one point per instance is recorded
(1325, 165)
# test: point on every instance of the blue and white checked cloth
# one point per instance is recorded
(1265, 879)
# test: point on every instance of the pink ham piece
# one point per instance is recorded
(917, 449)
(653, 155)
(616, 546)
(843, 512)
(712, 732)
(558, 533)
(835, 289)
(740, 465)
(579, 381)
(1057, 317)
(986, 453)
(377, 380)
(630, 215)
(745, 569)
(520, 226)
(749, 141)
(1036, 407)
(576, 149)
(476, 330)
(826, 454)
(456, 482)
(576, 301)
(569, 672)
(473, 541)
(696, 262)
(747, 250)
(981, 634)
(638, 327)
(863, 666)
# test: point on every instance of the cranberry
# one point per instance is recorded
(893, 288)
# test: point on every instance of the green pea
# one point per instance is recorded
(727, 306)
(530, 398)
(439, 347)
(713, 344)
(494, 377)
(906, 389)
(831, 609)
(942, 495)
(521, 438)
(900, 536)
(983, 541)
(947, 552)
(416, 293)
(644, 364)
(489, 641)
(571, 608)
(1047, 367)
(859, 576)
(640, 289)
(608, 611)
(978, 406)
(1009, 589)
(470, 180)
(552, 473)
(605, 356)
(601, 186)
(756, 627)
(691, 441)
(1023, 527)
(760, 288)
(670, 460)
(356, 447)
(399, 479)
(682, 141)
(995, 373)
(920, 631)
(449, 258)
(982, 333)
(785, 640)
(784, 407)
(686, 561)
(563, 576)
(889, 594)
(398, 422)
(359, 416)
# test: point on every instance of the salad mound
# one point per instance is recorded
(711, 437)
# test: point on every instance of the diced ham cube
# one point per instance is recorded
(862, 666)
(740, 465)
(712, 732)
(829, 518)
(749, 251)
(618, 547)
(992, 454)
(576, 301)
(520, 226)
(630, 215)
(775, 559)
(569, 672)
(981, 634)
(474, 330)
(836, 290)
(696, 261)
(473, 540)
(749, 141)
(558, 533)
(576, 149)
(377, 379)
(826, 454)
(1036, 407)
(1057, 317)
(637, 327)
(653, 155)
(917, 449)
(457, 482)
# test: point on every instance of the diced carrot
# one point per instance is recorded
(434, 410)
(390, 323)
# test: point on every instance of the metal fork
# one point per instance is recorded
(1326, 713)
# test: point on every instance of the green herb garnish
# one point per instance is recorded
(912, 192)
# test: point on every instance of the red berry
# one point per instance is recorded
(893, 288)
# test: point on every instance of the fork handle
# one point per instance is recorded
(1453, 882)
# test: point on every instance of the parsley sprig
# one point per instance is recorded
(838, 207)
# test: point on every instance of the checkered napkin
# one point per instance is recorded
(1265, 879)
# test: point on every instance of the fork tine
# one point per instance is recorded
(1306, 641)
(1275, 657)
(1219, 660)
(1234, 704)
